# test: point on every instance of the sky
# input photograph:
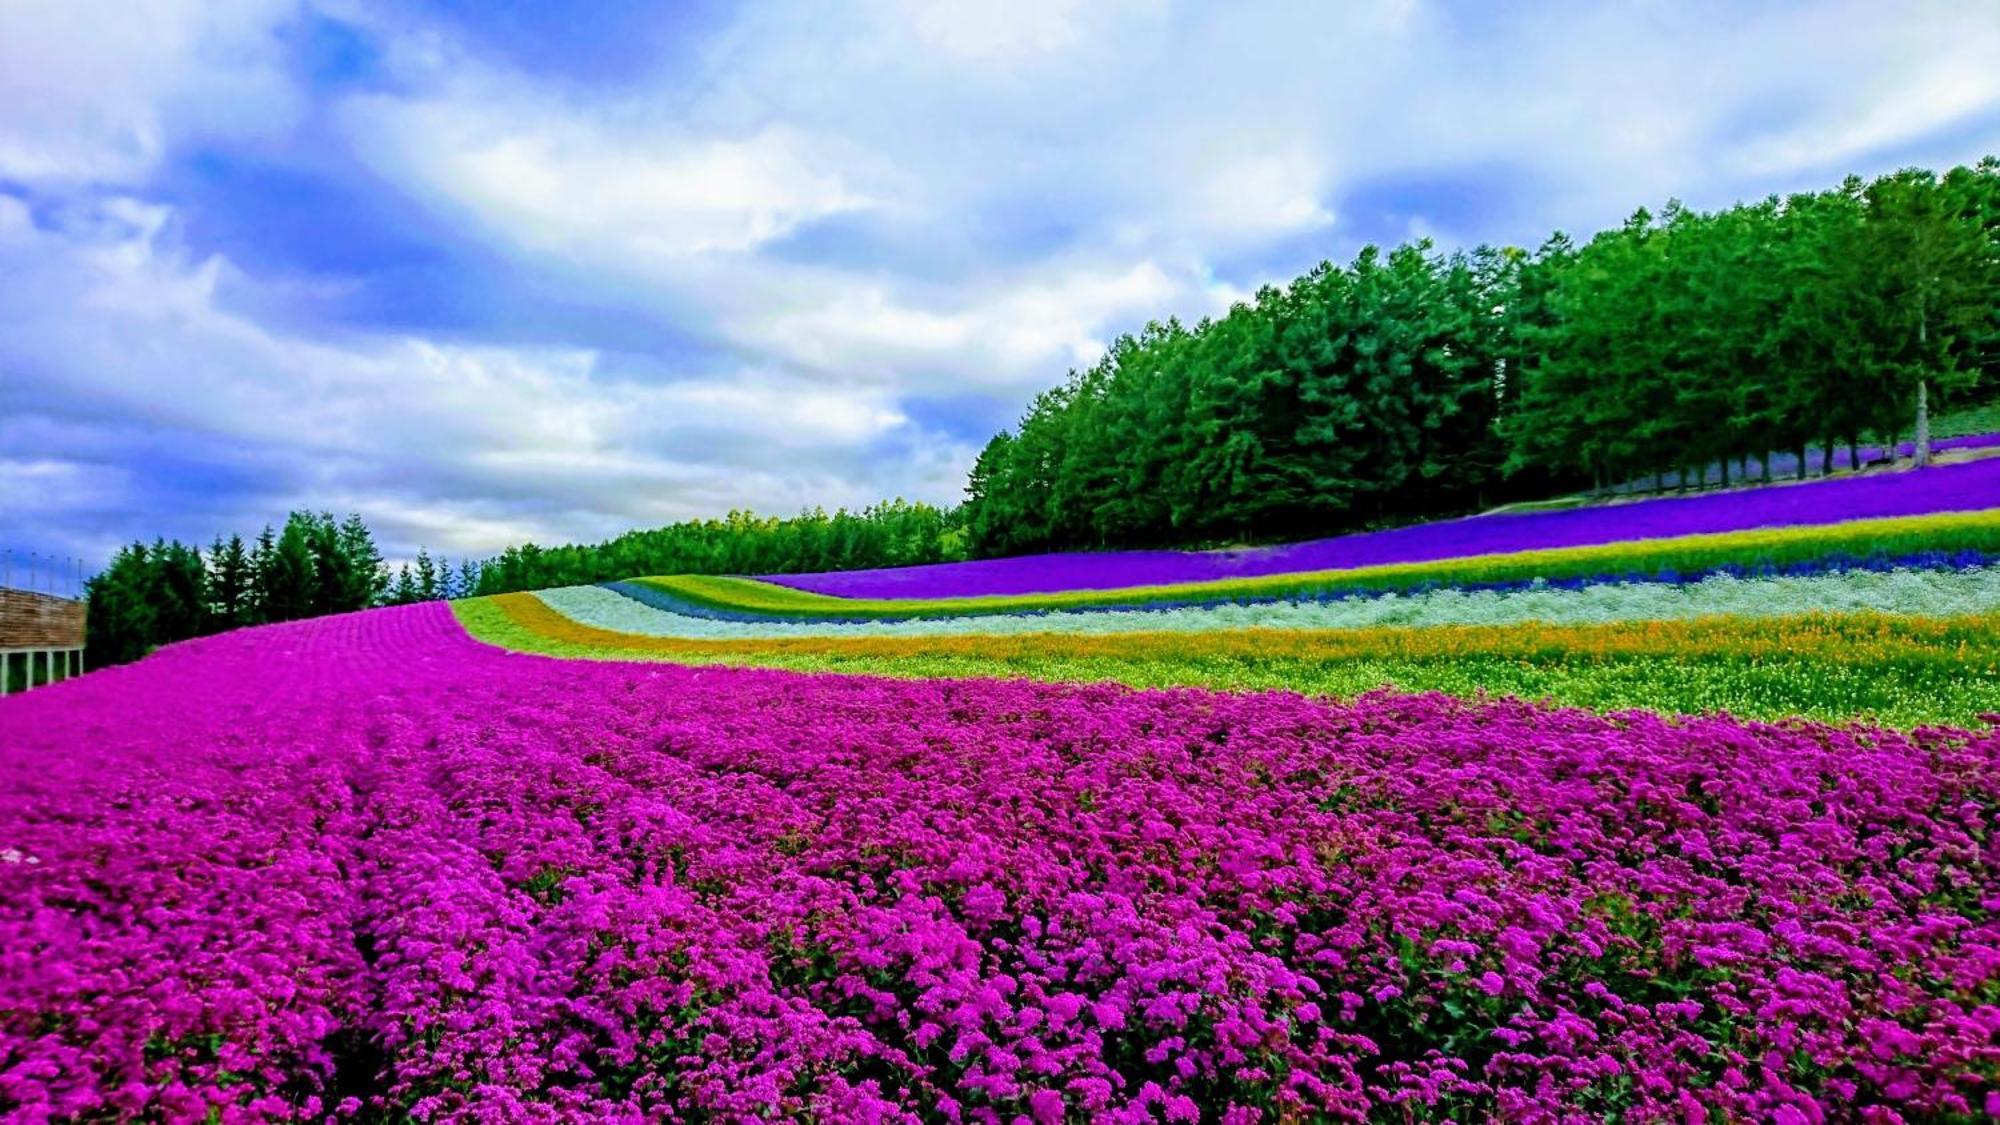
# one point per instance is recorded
(490, 272)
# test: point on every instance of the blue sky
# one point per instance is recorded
(488, 272)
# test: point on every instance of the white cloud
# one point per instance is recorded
(1948, 80)
(96, 91)
(979, 29)
(609, 192)
(611, 187)
(1267, 194)
(1010, 336)
(467, 446)
(48, 488)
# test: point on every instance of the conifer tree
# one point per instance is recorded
(426, 576)
(403, 591)
(366, 574)
(229, 583)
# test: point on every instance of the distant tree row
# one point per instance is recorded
(1413, 384)
(166, 591)
(170, 591)
(429, 580)
(893, 533)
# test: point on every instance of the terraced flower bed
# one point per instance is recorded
(1899, 670)
(1953, 539)
(1963, 487)
(1888, 620)
(1937, 590)
(369, 867)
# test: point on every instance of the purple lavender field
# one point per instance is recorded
(1962, 487)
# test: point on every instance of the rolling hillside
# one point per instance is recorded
(1465, 821)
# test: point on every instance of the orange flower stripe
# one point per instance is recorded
(1863, 639)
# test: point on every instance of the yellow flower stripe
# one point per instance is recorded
(1841, 638)
(1895, 671)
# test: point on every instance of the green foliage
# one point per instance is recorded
(895, 533)
(1354, 396)
(169, 591)
(1818, 319)
(1984, 419)
(230, 588)
(1412, 384)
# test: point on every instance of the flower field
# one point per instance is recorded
(1697, 824)
(391, 871)
(1887, 619)
(1954, 539)
(1962, 487)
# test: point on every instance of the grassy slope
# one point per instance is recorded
(1963, 423)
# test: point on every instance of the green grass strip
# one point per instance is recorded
(1776, 547)
(1897, 672)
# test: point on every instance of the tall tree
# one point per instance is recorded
(333, 576)
(263, 558)
(287, 582)
(1930, 276)
(403, 591)
(229, 583)
(367, 577)
(426, 576)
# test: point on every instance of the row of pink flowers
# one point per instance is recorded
(365, 866)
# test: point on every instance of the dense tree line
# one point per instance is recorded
(1685, 339)
(1412, 384)
(166, 591)
(894, 533)
(1353, 395)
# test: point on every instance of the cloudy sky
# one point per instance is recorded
(488, 272)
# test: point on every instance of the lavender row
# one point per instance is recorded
(1961, 487)
(663, 600)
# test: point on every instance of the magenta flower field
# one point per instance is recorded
(365, 868)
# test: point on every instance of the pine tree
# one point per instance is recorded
(403, 591)
(179, 591)
(288, 580)
(263, 559)
(333, 575)
(427, 576)
(367, 576)
(1931, 269)
(230, 578)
